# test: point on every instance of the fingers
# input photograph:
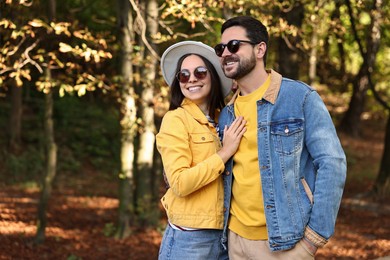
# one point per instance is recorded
(232, 137)
(241, 131)
(237, 125)
(238, 120)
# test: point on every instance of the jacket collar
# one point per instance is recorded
(194, 110)
(273, 90)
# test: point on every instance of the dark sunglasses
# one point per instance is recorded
(184, 75)
(233, 46)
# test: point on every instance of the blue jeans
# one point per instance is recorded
(202, 244)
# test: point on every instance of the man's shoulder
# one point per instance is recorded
(223, 116)
(295, 85)
(227, 108)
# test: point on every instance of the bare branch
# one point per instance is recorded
(288, 43)
(143, 28)
(17, 47)
(31, 61)
(162, 24)
(6, 70)
(26, 61)
(353, 27)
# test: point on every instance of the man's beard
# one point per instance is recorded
(244, 67)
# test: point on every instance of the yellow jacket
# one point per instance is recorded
(188, 145)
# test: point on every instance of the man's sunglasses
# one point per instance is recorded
(184, 75)
(233, 46)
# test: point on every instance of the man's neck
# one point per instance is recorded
(252, 81)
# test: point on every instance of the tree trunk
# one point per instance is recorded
(288, 56)
(15, 127)
(351, 122)
(327, 72)
(51, 149)
(340, 38)
(51, 162)
(381, 187)
(147, 209)
(128, 120)
(313, 55)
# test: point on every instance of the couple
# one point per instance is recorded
(272, 188)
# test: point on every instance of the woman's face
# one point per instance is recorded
(198, 87)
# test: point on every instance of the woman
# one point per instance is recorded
(192, 153)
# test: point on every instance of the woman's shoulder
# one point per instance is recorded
(175, 113)
(174, 117)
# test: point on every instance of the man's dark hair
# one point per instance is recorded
(255, 30)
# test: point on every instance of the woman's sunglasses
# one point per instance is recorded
(233, 46)
(184, 75)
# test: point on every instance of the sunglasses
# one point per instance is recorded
(233, 46)
(184, 75)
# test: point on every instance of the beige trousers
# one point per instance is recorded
(241, 248)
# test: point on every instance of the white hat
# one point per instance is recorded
(172, 55)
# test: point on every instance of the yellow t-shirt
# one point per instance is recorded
(247, 208)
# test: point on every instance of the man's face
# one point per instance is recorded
(237, 65)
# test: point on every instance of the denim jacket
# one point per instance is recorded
(302, 164)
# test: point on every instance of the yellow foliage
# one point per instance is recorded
(7, 24)
(65, 47)
(60, 28)
(36, 23)
(81, 89)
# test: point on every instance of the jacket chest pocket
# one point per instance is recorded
(287, 136)
(202, 144)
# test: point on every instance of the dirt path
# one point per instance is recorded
(79, 228)
(82, 215)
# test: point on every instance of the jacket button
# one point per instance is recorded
(224, 209)
(227, 172)
(203, 138)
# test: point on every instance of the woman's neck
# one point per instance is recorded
(203, 107)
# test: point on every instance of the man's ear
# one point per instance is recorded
(261, 49)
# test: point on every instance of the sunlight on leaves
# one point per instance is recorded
(65, 47)
(7, 24)
(36, 23)
(81, 89)
(60, 28)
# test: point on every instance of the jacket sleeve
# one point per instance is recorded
(173, 143)
(329, 160)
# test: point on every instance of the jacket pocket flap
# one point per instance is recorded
(287, 128)
(201, 138)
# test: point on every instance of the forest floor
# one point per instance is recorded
(83, 211)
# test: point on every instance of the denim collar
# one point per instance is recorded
(272, 92)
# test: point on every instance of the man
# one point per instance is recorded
(284, 185)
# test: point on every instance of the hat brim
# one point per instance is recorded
(172, 55)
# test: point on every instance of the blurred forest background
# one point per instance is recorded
(81, 99)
